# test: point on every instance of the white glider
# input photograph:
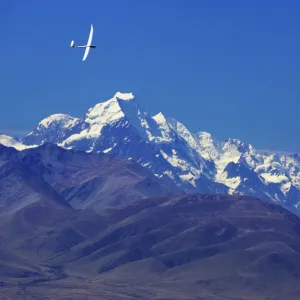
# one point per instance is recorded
(87, 46)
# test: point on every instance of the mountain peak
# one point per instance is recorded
(102, 113)
(9, 141)
(234, 141)
(57, 118)
(236, 144)
(159, 118)
(110, 109)
(208, 146)
(52, 129)
(204, 135)
(124, 96)
(205, 139)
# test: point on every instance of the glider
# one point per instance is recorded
(87, 46)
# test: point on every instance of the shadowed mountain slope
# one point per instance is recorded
(76, 179)
(175, 247)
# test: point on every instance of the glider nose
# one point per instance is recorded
(72, 44)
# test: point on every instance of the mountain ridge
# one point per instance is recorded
(195, 162)
(51, 174)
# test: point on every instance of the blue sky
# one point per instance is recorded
(231, 68)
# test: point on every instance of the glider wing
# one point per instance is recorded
(87, 49)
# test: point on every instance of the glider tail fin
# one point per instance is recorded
(72, 44)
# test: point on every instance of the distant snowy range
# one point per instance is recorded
(195, 162)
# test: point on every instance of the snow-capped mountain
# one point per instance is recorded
(120, 127)
(194, 161)
(9, 141)
(59, 124)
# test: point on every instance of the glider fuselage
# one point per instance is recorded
(86, 46)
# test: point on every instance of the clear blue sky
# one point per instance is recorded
(231, 68)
